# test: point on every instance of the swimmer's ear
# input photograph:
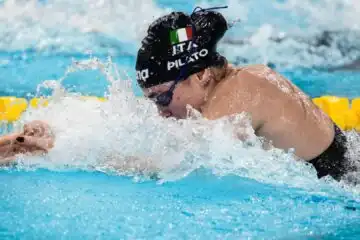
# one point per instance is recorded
(200, 74)
(205, 77)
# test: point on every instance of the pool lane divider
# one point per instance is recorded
(343, 111)
(11, 108)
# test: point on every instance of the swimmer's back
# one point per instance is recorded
(281, 112)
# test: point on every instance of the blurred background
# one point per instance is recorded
(303, 39)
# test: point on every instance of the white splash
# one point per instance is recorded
(116, 28)
(326, 14)
(74, 26)
(299, 24)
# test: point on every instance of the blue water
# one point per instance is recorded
(73, 204)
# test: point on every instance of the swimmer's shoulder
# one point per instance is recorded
(258, 70)
(250, 74)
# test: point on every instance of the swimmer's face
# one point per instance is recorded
(185, 93)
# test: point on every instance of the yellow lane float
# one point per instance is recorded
(11, 108)
(38, 102)
(101, 99)
(344, 112)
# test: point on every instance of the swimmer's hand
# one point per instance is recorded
(34, 143)
(36, 139)
(36, 134)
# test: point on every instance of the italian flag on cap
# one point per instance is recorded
(180, 35)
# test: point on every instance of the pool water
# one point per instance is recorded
(206, 190)
(75, 205)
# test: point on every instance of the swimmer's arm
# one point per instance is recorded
(10, 146)
(6, 143)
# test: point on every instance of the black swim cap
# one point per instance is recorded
(179, 43)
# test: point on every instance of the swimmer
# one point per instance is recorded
(178, 65)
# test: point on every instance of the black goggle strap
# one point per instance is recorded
(230, 25)
(198, 9)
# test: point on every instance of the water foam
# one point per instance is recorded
(116, 28)
(74, 26)
(300, 25)
(326, 14)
